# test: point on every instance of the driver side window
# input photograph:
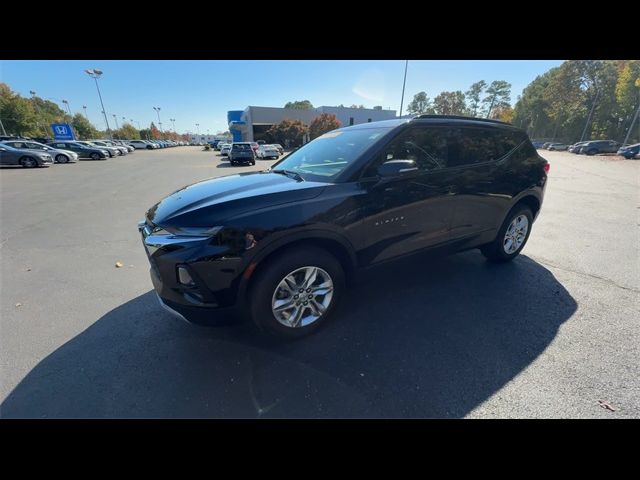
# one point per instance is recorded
(427, 146)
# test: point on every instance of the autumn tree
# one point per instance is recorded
(299, 105)
(322, 124)
(288, 132)
(449, 103)
(420, 104)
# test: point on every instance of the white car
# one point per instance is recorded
(268, 151)
(225, 149)
(142, 145)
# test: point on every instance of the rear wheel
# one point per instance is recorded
(295, 293)
(61, 158)
(512, 236)
(28, 162)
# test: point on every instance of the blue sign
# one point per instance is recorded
(62, 131)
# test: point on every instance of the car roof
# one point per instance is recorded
(434, 119)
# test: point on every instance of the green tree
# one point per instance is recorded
(127, 132)
(288, 132)
(83, 129)
(449, 103)
(498, 94)
(17, 114)
(322, 124)
(473, 96)
(420, 104)
(299, 104)
(628, 91)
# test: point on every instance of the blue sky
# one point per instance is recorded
(198, 91)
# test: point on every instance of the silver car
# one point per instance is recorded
(109, 144)
(113, 152)
(26, 158)
(60, 156)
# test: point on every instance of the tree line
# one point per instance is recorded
(32, 117)
(481, 100)
(580, 99)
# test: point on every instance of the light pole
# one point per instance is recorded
(96, 74)
(84, 107)
(4, 132)
(66, 102)
(404, 82)
(198, 127)
(157, 109)
(173, 121)
(33, 98)
(116, 120)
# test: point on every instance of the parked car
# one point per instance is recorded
(83, 151)
(629, 151)
(557, 147)
(545, 145)
(108, 144)
(242, 152)
(636, 156)
(278, 245)
(59, 156)
(120, 143)
(224, 149)
(268, 151)
(113, 152)
(279, 147)
(141, 144)
(575, 148)
(595, 147)
(26, 158)
(537, 143)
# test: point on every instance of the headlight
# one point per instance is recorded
(187, 231)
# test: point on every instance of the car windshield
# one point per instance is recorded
(241, 146)
(324, 158)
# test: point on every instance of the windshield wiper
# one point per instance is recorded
(289, 173)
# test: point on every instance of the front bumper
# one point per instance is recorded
(212, 297)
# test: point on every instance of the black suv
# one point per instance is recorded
(241, 152)
(278, 245)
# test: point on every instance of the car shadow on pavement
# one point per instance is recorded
(414, 339)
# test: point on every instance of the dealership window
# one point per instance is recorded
(350, 120)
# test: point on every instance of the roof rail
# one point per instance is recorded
(461, 117)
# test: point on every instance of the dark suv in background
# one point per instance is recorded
(599, 146)
(279, 245)
(242, 152)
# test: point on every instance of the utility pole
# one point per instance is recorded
(404, 82)
(66, 102)
(116, 120)
(4, 132)
(593, 106)
(84, 107)
(157, 109)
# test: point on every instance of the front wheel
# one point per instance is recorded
(28, 162)
(512, 236)
(61, 158)
(295, 294)
(95, 156)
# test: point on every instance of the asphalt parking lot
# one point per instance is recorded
(554, 334)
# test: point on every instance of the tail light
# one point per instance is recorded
(546, 167)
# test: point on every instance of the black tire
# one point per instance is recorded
(60, 158)
(269, 276)
(95, 156)
(28, 162)
(253, 162)
(495, 251)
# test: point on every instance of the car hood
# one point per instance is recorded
(208, 202)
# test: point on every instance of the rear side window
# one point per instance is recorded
(469, 146)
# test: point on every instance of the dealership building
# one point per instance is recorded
(251, 124)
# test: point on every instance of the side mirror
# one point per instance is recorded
(397, 168)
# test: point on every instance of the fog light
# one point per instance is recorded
(184, 278)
